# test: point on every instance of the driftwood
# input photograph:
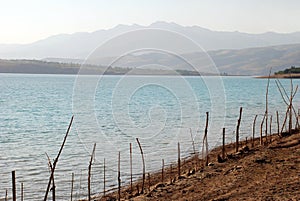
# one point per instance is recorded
(56, 159)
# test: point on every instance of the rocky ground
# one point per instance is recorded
(262, 172)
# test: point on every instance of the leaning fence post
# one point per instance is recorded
(89, 172)
(143, 184)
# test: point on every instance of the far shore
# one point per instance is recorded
(280, 76)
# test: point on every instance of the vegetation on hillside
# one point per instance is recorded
(292, 70)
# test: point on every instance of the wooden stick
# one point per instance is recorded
(130, 150)
(261, 129)
(270, 126)
(13, 174)
(144, 169)
(56, 159)
(22, 191)
(119, 177)
(205, 142)
(72, 186)
(278, 124)
(193, 143)
(178, 159)
(104, 179)
(290, 108)
(162, 171)
(89, 173)
(5, 195)
(53, 183)
(253, 131)
(238, 131)
(267, 92)
(223, 147)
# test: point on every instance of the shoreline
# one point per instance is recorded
(280, 76)
(200, 182)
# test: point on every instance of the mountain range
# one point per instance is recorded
(232, 52)
(80, 45)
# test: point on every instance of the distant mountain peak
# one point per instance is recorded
(81, 44)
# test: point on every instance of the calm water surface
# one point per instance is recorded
(35, 111)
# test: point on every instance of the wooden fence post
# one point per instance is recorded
(89, 172)
(72, 186)
(13, 173)
(238, 131)
(223, 147)
(104, 179)
(205, 142)
(261, 130)
(130, 151)
(253, 130)
(278, 132)
(162, 171)
(22, 191)
(51, 178)
(178, 159)
(119, 177)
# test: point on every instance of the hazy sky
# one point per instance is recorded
(25, 21)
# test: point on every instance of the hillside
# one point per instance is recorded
(250, 61)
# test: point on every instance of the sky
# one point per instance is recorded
(27, 21)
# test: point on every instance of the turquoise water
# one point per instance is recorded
(35, 111)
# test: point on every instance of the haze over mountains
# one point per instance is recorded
(232, 52)
(80, 45)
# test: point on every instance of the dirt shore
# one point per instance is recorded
(262, 172)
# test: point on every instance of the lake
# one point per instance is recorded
(113, 111)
